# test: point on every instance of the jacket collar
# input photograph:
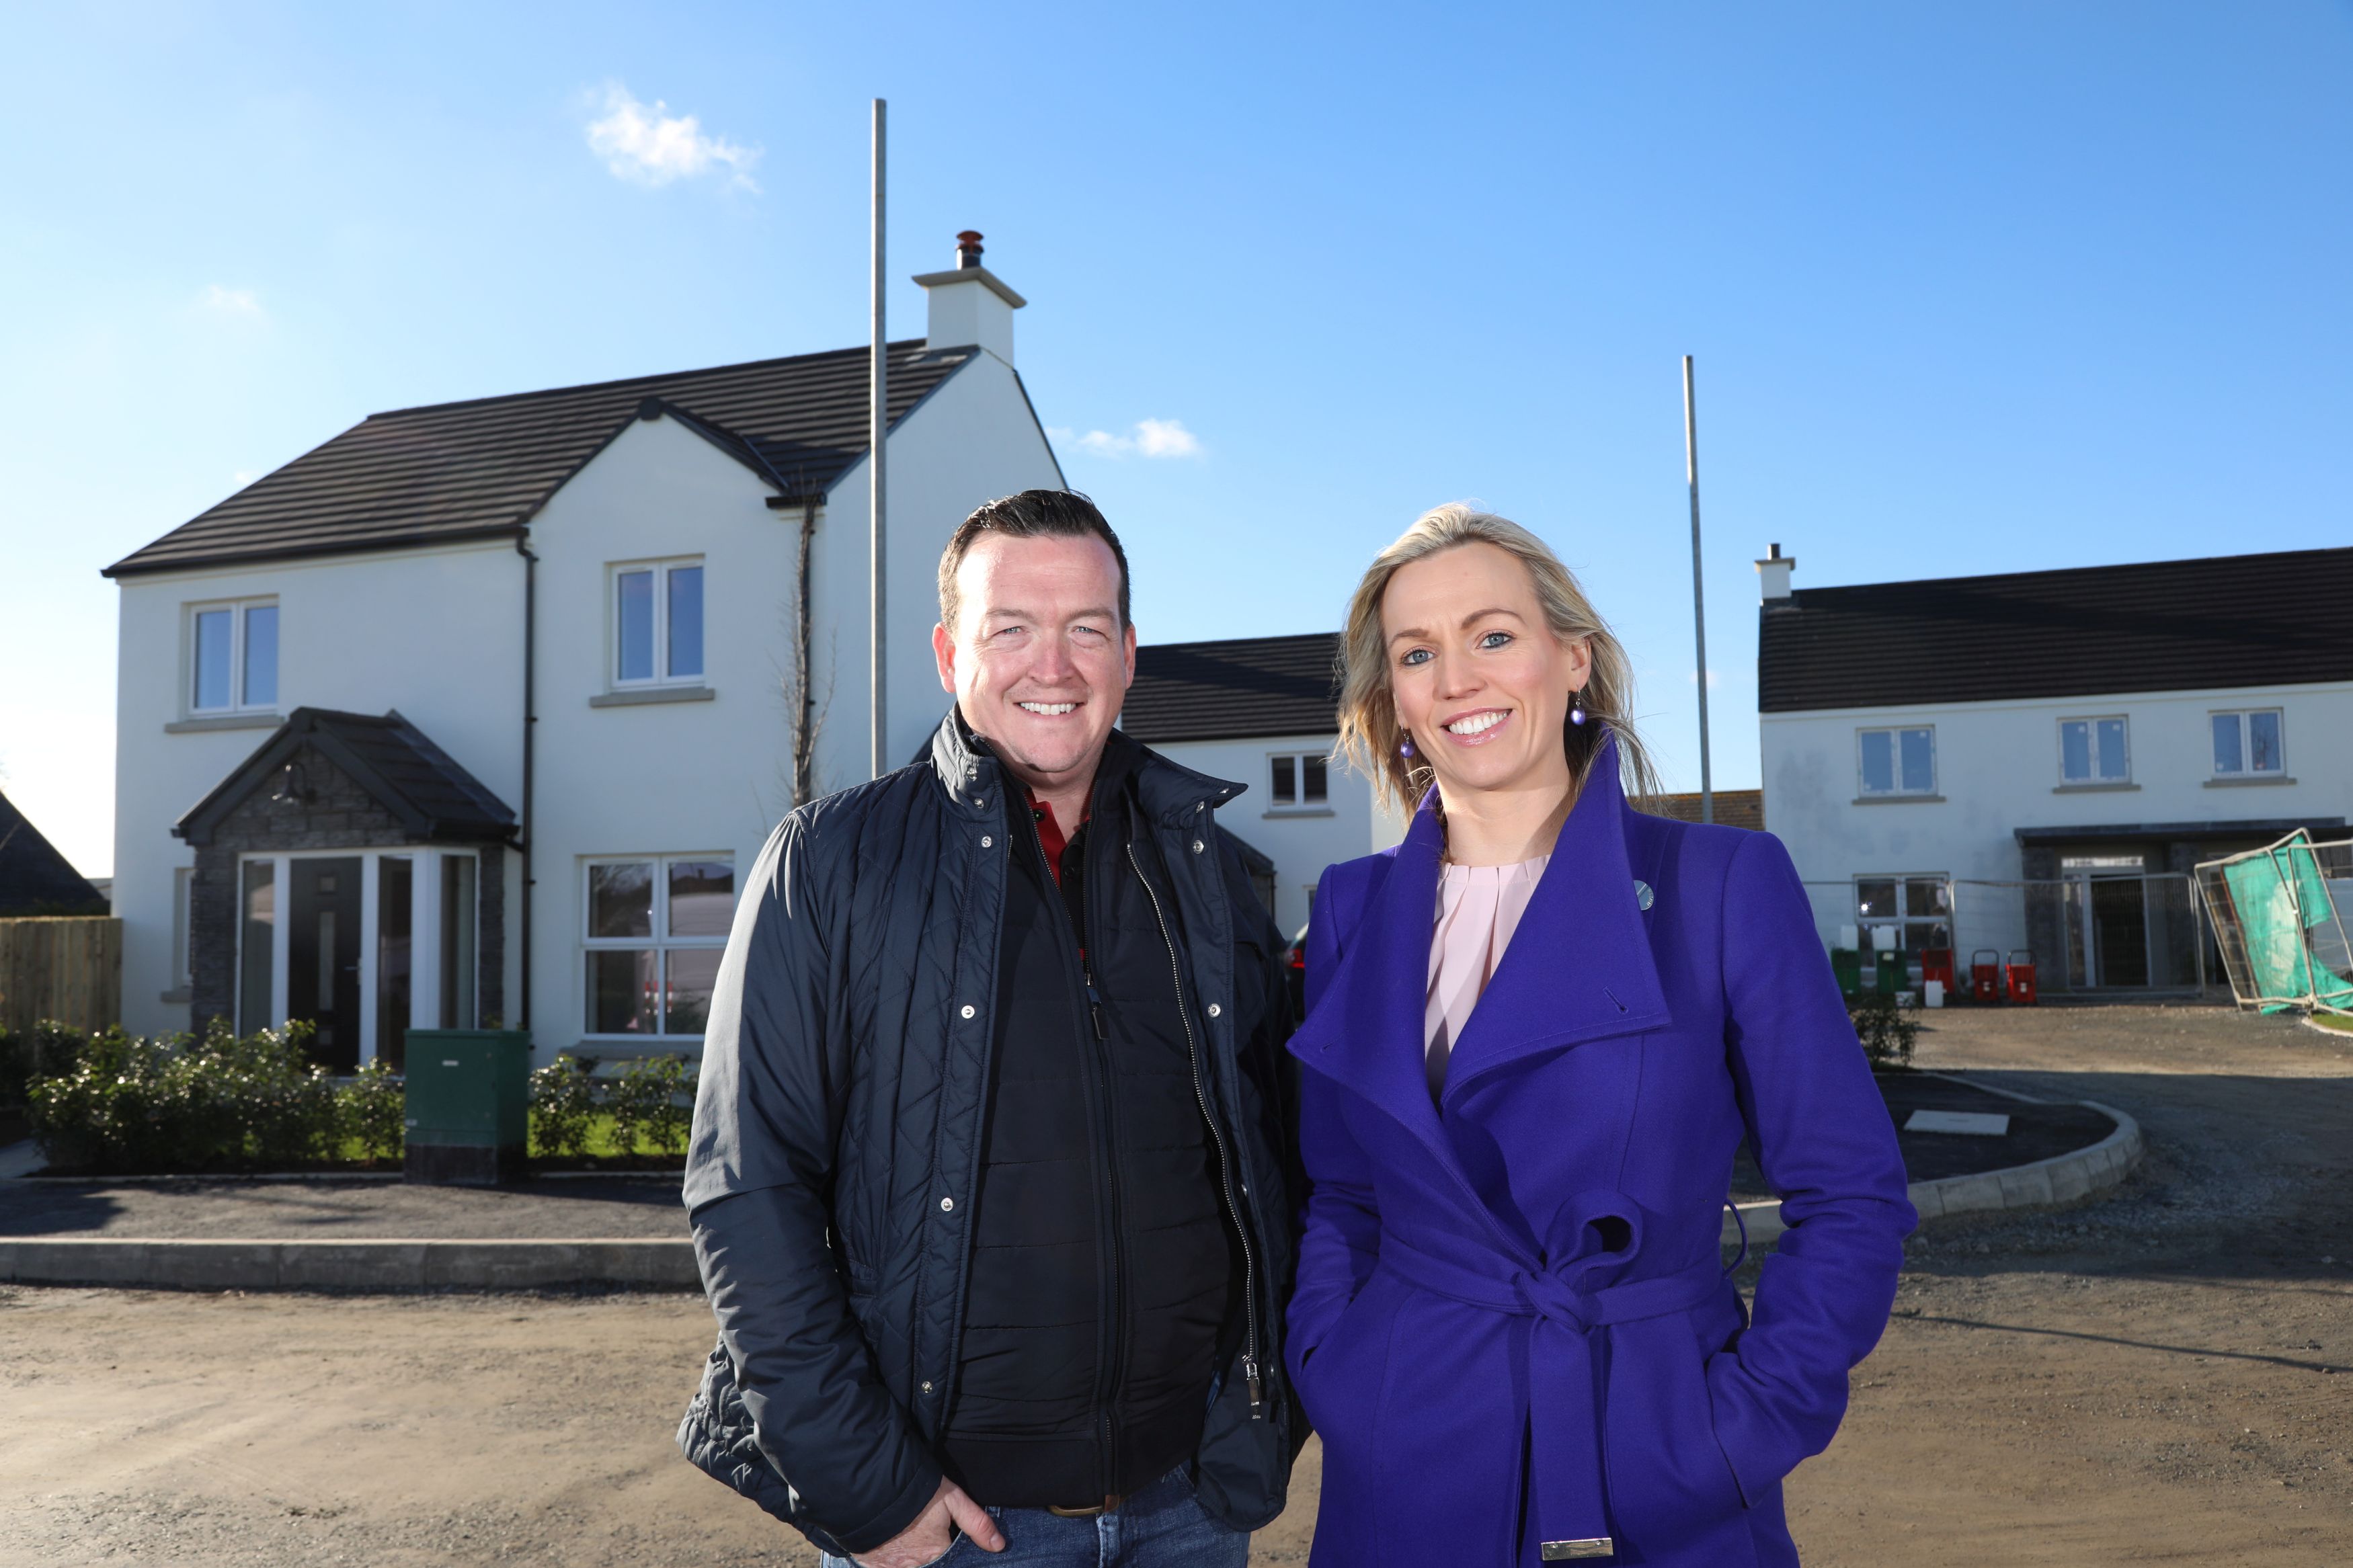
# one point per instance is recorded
(1579, 968)
(973, 779)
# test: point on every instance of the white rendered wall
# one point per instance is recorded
(437, 633)
(1301, 842)
(1998, 771)
(972, 440)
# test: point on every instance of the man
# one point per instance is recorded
(987, 1175)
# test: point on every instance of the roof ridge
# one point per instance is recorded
(2253, 556)
(620, 382)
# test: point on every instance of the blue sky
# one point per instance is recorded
(1977, 288)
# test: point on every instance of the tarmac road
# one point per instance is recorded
(2165, 1376)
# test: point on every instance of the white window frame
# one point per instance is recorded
(2091, 724)
(1299, 804)
(662, 945)
(2246, 744)
(661, 676)
(236, 704)
(183, 882)
(1896, 733)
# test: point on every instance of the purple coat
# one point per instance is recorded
(1514, 1297)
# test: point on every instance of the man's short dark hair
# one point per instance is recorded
(1061, 513)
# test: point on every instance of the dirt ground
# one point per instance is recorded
(2165, 1376)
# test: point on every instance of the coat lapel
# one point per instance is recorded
(1580, 966)
(1365, 1032)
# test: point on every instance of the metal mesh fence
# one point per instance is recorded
(2275, 913)
(2094, 931)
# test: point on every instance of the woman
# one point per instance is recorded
(1537, 1031)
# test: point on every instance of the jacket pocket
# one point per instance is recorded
(1668, 1482)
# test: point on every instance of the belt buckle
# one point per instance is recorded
(1110, 1504)
(1570, 1550)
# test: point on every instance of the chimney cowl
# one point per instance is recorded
(969, 306)
(1773, 574)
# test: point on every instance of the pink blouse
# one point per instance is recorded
(1479, 908)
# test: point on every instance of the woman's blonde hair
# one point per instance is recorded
(1369, 731)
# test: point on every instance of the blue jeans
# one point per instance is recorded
(1160, 1527)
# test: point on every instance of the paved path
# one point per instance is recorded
(332, 1211)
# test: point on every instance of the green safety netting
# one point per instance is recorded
(2282, 900)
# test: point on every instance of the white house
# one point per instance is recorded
(477, 711)
(2035, 761)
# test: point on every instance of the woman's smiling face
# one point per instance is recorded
(1479, 682)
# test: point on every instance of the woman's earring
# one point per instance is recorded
(1405, 748)
(1576, 706)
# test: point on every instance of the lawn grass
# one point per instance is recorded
(2336, 1021)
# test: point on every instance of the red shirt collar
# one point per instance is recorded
(1050, 836)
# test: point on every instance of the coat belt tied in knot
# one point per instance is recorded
(1565, 1397)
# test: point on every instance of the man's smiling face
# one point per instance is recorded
(1038, 660)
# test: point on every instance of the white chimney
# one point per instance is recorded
(970, 305)
(1773, 573)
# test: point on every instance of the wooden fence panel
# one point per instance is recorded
(67, 968)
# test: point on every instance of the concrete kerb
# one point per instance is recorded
(391, 1265)
(2041, 1184)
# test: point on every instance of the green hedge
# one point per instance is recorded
(116, 1104)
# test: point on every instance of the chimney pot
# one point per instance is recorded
(968, 248)
(969, 306)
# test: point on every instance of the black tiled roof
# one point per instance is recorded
(435, 799)
(481, 469)
(2222, 621)
(1234, 690)
(34, 878)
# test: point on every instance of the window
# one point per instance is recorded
(2247, 745)
(1298, 780)
(183, 882)
(256, 970)
(658, 624)
(2091, 750)
(1919, 908)
(656, 929)
(1898, 761)
(233, 657)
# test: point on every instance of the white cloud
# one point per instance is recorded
(1715, 678)
(227, 302)
(646, 146)
(1151, 438)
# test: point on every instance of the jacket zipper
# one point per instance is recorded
(1115, 1304)
(1225, 1162)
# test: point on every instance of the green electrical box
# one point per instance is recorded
(469, 1118)
(1846, 962)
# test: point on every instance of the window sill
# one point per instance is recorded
(1899, 800)
(224, 722)
(2249, 782)
(178, 997)
(638, 698)
(2090, 788)
(1274, 811)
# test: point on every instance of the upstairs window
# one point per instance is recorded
(2247, 745)
(233, 657)
(1300, 781)
(658, 624)
(1897, 761)
(657, 928)
(2091, 750)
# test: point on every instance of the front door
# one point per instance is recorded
(322, 957)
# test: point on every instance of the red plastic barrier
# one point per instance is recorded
(1937, 963)
(1985, 974)
(2020, 977)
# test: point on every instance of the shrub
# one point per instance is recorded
(376, 1112)
(562, 1104)
(181, 1104)
(644, 1103)
(1884, 1032)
